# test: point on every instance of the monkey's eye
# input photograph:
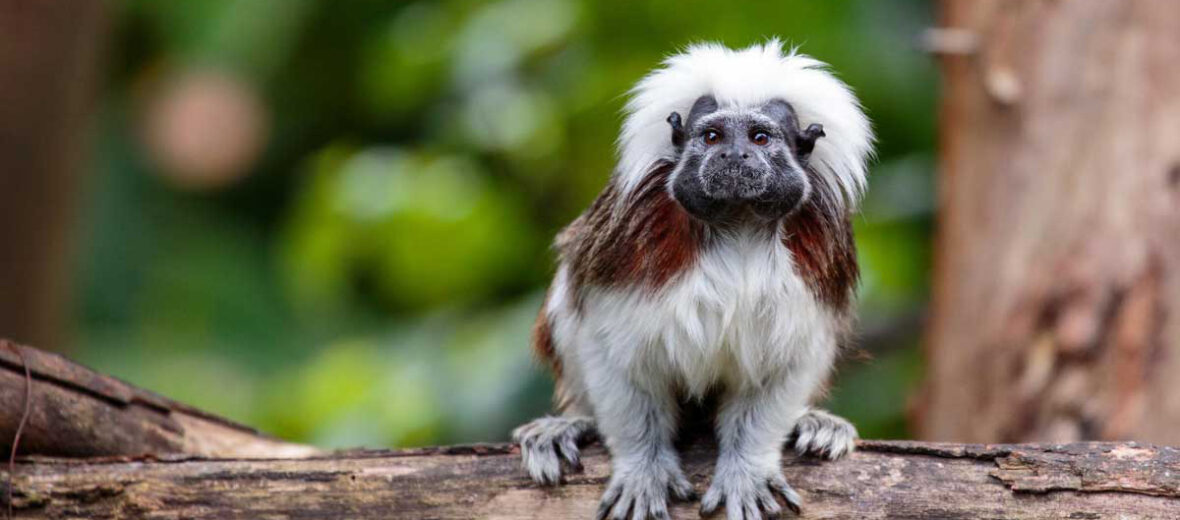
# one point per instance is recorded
(760, 138)
(712, 137)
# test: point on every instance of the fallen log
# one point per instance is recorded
(76, 412)
(881, 480)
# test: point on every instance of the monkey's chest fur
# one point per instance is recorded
(740, 315)
(647, 292)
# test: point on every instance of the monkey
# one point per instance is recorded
(718, 261)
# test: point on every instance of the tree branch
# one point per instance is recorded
(881, 480)
(77, 412)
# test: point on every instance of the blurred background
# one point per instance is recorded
(332, 221)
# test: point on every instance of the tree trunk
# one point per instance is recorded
(48, 62)
(1056, 312)
(881, 480)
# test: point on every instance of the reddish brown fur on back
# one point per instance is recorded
(543, 346)
(645, 239)
(820, 240)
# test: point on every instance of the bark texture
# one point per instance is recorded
(881, 480)
(48, 64)
(1056, 312)
(76, 412)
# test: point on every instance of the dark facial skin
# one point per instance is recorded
(737, 165)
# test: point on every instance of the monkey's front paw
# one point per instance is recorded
(547, 441)
(748, 493)
(639, 491)
(822, 434)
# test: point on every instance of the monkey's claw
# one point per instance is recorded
(821, 434)
(750, 495)
(548, 441)
(641, 492)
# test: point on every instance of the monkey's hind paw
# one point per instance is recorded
(641, 492)
(750, 493)
(547, 441)
(822, 434)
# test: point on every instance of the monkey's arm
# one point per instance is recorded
(637, 423)
(752, 425)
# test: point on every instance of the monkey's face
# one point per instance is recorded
(741, 163)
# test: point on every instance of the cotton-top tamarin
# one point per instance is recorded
(718, 262)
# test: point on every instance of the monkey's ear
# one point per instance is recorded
(805, 143)
(678, 135)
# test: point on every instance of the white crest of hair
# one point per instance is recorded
(748, 78)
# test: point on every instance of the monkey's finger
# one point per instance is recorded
(682, 489)
(841, 448)
(608, 501)
(803, 436)
(767, 503)
(790, 496)
(711, 501)
(749, 511)
(795, 507)
(639, 508)
(660, 512)
(821, 444)
(735, 509)
(568, 449)
(604, 508)
(542, 463)
(623, 507)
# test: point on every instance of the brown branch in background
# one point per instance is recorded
(78, 412)
(49, 64)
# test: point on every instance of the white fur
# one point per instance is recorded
(748, 78)
(740, 316)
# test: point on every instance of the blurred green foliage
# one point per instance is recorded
(370, 277)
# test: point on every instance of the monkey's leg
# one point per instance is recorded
(547, 441)
(752, 424)
(820, 433)
(637, 424)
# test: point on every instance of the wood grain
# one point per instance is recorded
(881, 480)
(77, 412)
(1056, 294)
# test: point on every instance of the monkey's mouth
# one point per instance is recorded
(733, 194)
(736, 184)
